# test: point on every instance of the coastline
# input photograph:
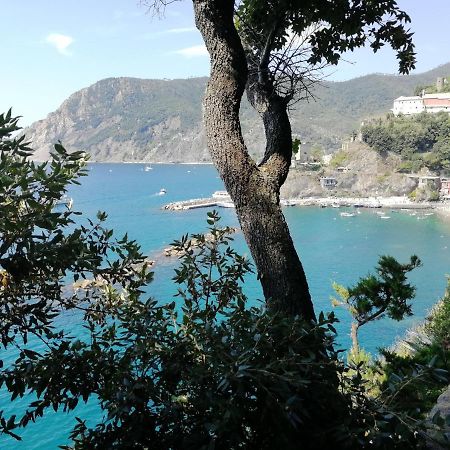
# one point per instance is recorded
(357, 202)
(363, 202)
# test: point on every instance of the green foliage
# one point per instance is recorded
(438, 324)
(204, 371)
(419, 375)
(339, 159)
(41, 251)
(346, 26)
(296, 143)
(432, 88)
(421, 140)
(385, 294)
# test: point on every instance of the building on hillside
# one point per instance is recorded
(435, 103)
(328, 182)
(445, 189)
(430, 181)
(430, 103)
(408, 105)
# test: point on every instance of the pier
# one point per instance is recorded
(193, 204)
(362, 202)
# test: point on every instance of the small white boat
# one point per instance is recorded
(335, 205)
(429, 214)
(162, 191)
(347, 214)
(148, 168)
(223, 195)
(385, 217)
(65, 201)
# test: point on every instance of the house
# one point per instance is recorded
(408, 105)
(445, 189)
(435, 103)
(430, 181)
(328, 182)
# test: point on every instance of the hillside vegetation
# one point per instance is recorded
(432, 88)
(130, 119)
(421, 140)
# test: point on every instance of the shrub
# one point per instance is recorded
(204, 371)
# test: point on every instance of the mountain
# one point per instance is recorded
(130, 119)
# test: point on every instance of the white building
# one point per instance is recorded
(430, 103)
(408, 105)
(328, 182)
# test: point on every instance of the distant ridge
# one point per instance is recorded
(131, 119)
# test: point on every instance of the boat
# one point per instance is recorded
(223, 195)
(335, 205)
(347, 214)
(429, 214)
(162, 191)
(65, 201)
(385, 217)
(148, 168)
(287, 203)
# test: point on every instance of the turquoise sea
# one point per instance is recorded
(332, 248)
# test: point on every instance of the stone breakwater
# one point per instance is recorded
(192, 204)
(363, 202)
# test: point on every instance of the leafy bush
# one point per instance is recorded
(339, 159)
(438, 324)
(204, 371)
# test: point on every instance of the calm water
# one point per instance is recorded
(331, 247)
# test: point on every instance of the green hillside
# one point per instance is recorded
(126, 119)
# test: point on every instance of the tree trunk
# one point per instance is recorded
(254, 189)
(354, 336)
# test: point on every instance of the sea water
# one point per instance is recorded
(331, 247)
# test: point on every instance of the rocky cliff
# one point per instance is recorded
(129, 119)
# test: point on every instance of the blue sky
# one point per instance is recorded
(51, 49)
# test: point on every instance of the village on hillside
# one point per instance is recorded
(358, 170)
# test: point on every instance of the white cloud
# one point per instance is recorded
(181, 30)
(60, 41)
(192, 52)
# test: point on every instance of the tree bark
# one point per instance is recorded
(354, 336)
(254, 189)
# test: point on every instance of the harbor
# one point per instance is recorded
(222, 200)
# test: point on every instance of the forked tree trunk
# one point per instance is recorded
(254, 189)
